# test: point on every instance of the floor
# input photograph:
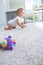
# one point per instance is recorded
(29, 47)
(39, 24)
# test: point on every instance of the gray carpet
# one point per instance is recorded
(29, 47)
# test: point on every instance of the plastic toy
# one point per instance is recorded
(4, 43)
(14, 42)
(7, 43)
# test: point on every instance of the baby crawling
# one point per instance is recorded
(19, 20)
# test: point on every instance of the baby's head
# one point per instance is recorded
(20, 12)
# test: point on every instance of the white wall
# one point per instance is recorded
(2, 18)
(2, 13)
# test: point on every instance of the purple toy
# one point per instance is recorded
(0, 46)
(9, 44)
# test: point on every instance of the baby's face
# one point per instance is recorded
(23, 13)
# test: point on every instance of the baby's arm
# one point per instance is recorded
(20, 24)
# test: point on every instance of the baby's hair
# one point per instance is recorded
(19, 10)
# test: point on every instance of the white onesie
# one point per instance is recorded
(13, 21)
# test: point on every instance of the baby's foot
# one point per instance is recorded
(6, 28)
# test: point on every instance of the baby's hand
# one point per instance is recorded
(23, 26)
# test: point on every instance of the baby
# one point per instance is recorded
(19, 20)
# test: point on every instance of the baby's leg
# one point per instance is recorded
(8, 27)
